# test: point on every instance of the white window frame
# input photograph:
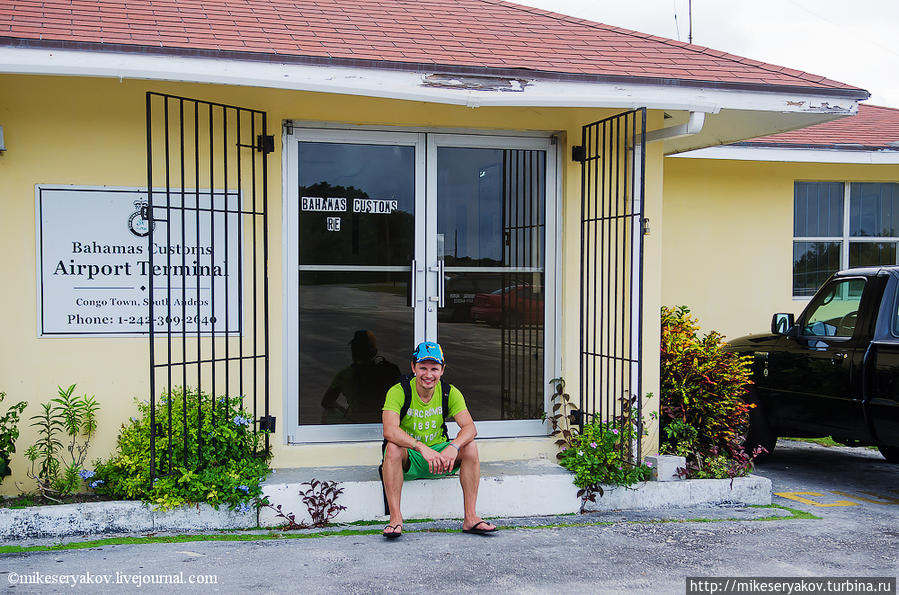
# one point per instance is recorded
(844, 239)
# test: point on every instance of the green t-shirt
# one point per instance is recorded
(423, 420)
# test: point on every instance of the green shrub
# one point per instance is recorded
(601, 455)
(9, 433)
(57, 468)
(226, 467)
(703, 415)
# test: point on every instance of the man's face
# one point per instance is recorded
(427, 373)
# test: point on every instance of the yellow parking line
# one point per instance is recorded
(889, 500)
(798, 497)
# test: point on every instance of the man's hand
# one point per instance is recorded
(439, 462)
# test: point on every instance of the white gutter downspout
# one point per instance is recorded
(693, 126)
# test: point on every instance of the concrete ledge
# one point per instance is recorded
(651, 494)
(507, 489)
(115, 517)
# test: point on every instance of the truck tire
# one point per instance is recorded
(760, 432)
(890, 453)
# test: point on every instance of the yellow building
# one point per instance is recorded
(754, 228)
(275, 181)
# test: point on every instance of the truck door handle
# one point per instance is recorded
(838, 358)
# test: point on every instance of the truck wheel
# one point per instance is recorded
(890, 453)
(760, 432)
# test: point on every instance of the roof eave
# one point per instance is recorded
(419, 67)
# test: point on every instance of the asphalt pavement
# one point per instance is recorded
(852, 493)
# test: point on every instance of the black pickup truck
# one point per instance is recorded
(834, 371)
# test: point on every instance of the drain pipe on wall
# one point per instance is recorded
(693, 126)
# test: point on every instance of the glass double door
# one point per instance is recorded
(395, 238)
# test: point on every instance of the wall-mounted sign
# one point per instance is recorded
(94, 262)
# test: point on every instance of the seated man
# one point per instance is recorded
(417, 445)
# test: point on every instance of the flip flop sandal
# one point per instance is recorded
(475, 529)
(397, 531)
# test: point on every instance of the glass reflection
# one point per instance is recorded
(355, 339)
(491, 214)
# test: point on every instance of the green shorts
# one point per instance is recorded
(418, 466)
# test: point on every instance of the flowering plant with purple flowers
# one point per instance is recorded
(601, 454)
(217, 454)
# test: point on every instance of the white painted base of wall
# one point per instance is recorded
(94, 518)
(507, 489)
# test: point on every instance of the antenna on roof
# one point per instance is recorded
(676, 25)
(690, 19)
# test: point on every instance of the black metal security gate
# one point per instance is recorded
(612, 229)
(207, 271)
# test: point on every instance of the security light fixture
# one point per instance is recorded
(2, 144)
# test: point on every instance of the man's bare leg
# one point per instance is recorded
(470, 478)
(395, 458)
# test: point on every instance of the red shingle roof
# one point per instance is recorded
(489, 34)
(874, 127)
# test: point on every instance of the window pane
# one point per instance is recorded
(357, 204)
(355, 332)
(817, 209)
(874, 210)
(496, 344)
(834, 311)
(490, 206)
(868, 254)
(813, 263)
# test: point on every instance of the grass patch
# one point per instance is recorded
(273, 534)
(826, 441)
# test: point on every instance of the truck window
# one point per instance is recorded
(834, 311)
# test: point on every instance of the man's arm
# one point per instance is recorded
(393, 432)
(467, 431)
(437, 462)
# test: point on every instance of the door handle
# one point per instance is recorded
(441, 278)
(414, 295)
(838, 358)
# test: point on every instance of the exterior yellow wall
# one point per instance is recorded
(728, 246)
(91, 131)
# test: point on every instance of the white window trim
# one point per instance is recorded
(844, 239)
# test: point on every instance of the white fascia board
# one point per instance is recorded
(784, 154)
(407, 85)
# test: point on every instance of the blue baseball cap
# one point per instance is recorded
(428, 350)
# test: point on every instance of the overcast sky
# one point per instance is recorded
(853, 42)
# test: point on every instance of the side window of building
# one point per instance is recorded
(841, 225)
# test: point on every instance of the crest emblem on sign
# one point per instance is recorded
(136, 222)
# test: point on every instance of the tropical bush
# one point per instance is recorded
(57, 468)
(9, 433)
(215, 454)
(703, 415)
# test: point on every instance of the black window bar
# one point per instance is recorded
(207, 266)
(611, 312)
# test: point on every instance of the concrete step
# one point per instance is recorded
(517, 488)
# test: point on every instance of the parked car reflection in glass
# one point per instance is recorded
(461, 290)
(511, 306)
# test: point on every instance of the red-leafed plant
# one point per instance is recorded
(703, 415)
